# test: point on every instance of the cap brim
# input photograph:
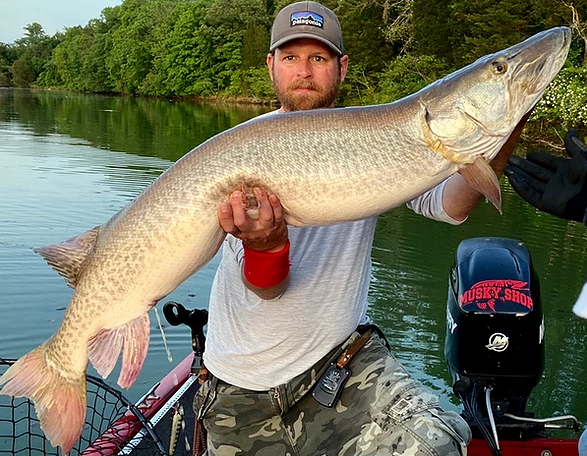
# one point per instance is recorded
(296, 36)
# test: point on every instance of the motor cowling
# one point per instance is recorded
(495, 325)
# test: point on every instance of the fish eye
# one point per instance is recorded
(499, 67)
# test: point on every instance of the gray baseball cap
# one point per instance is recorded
(307, 20)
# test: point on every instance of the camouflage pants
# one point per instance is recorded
(382, 411)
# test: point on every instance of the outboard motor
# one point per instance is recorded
(494, 343)
(495, 325)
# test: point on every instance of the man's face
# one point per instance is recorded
(306, 74)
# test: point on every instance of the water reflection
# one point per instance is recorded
(148, 127)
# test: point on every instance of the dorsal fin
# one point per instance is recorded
(68, 257)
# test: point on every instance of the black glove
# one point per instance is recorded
(556, 185)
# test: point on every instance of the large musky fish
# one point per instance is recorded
(327, 166)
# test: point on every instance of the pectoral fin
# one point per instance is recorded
(482, 178)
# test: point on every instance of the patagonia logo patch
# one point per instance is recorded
(306, 18)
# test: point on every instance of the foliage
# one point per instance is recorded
(258, 84)
(365, 22)
(30, 55)
(489, 26)
(433, 29)
(400, 25)
(22, 73)
(565, 100)
(217, 48)
(408, 74)
(8, 56)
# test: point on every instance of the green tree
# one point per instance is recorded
(34, 35)
(226, 24)
(434, 27)
(364, 24)
(487, 26)
(36, 47)
(187, 61)
(407, 74)
(69, 57)
(33, 52)
(578, 12)
(400, 24)
(23, 74)
(8, 56)
(135, 41)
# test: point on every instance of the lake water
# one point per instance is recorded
(68, 162)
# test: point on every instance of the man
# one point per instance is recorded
(556, 185)
(294, 366)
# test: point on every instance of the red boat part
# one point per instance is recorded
(533, 447)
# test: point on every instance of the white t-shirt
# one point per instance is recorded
(258, 344)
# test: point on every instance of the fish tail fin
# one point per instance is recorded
(60, 402)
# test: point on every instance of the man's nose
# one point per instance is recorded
(304, 69)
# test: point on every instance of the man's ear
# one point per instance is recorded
(270, 58)
(344, 64)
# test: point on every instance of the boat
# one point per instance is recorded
(494, 348)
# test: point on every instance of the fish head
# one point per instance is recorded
(473, 111)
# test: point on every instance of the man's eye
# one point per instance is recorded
(319, 58)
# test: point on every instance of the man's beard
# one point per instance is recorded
(320, 97)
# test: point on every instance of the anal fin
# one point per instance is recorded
(132, 338)
(104, 349)
(136, 345)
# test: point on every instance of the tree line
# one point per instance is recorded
(217, 48)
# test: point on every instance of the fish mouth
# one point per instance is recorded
(539, 59)
(545, 64)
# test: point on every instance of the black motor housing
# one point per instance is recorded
(495, 325)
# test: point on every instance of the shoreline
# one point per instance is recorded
(536, 134)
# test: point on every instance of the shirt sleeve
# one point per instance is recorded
(580, 307)
(429, 205)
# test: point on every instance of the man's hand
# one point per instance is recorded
(556, 185)
(268, 233)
